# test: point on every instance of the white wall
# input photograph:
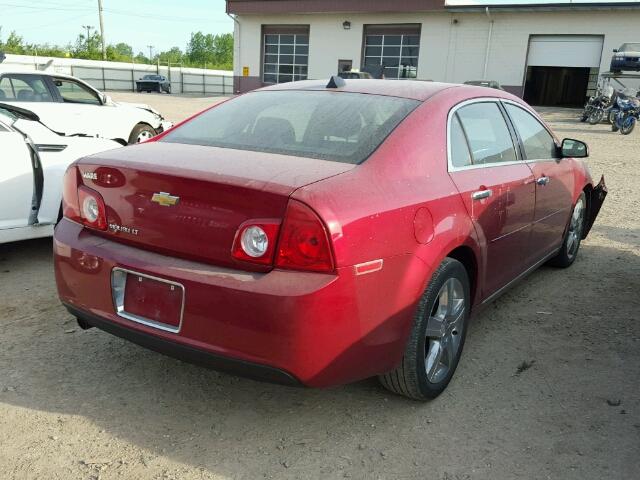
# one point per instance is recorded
(452, 52)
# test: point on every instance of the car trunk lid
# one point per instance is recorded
(189, 200)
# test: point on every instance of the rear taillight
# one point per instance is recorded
(304, 243)
(255, 241)
(70, 206)
(82, 204)
(92, 208)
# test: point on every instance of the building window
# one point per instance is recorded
(392, 49)
(286, 54)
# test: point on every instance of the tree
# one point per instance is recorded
(174, 55)
(213, 50)
(88, 47)
(14, 44)
(120, 52)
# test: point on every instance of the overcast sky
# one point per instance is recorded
(162, 23)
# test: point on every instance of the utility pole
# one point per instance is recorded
(88, 27)
(104, 50)
(150, 52)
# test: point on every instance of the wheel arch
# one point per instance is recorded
(467, 257)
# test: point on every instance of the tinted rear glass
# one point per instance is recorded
(344, 127)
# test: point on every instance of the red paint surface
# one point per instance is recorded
(324, 328)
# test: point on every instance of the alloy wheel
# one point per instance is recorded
(575, 228)
(143, 136)
(444, 331)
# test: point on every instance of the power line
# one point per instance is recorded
(33, 7)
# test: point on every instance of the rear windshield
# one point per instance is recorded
(344, 127)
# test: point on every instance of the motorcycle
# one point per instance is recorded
(598, 109)
(598, 105)
(628, 111)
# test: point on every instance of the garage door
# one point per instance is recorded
(565, 51)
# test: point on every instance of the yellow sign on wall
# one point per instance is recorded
(245, 71)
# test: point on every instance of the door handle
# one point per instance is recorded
(543, 181)
(480, 194)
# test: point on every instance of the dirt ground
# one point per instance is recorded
(87, 405)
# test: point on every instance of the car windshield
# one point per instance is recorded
(343, 127)
(630, 47)
(151, 77)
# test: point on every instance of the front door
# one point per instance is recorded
(554, 182)
(16, 179)
(496, 186)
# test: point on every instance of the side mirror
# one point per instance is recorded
(574, 148)
(106, 99)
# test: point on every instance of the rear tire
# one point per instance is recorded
(437, 337)
(573, 236)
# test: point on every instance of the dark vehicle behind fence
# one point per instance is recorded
(153, 83)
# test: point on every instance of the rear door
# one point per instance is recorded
(554, 181)
(496, 186)
(16, 179)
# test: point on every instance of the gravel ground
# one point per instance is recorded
(84, 404)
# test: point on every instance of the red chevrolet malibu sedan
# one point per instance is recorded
(320, 233)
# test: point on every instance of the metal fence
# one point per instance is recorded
(181, 81)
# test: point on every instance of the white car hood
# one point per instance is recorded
(141, 106)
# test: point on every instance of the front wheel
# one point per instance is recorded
(596, 117)
(435, 344)
(628, 124)
(573, 236)
(141, 133)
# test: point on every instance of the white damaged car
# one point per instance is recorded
(34, 160)
(70, 106)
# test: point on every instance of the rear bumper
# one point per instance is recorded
(186, 353)
(317, 329)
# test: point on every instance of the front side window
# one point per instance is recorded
(487, 133)
(285, 56)
(537, 142)
(74, 92)
(342, 127)
(24, 88)
(395, 49)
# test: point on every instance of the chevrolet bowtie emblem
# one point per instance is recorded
(165, 199)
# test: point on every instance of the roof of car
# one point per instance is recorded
(38, 72)
(413, 89)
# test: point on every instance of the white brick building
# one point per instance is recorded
(549, 52)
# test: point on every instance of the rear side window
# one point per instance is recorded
(536, 140)
(24, 88)
(344, 127)
(487, 133)
(460, 156)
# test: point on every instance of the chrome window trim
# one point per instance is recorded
(452, 111)
(117, 295)
(535, 115)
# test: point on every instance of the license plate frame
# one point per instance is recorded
(119, 277)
